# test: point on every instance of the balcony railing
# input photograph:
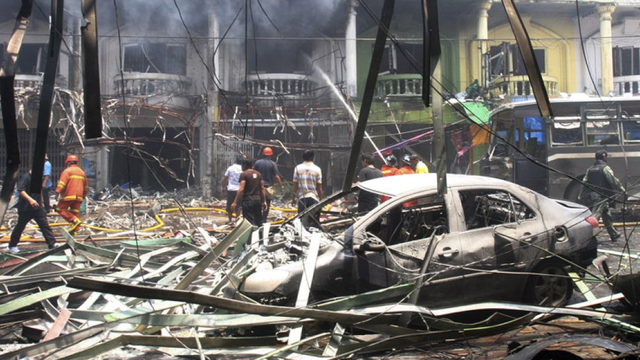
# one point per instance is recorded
(627, 85)
(409, 85)
(22, 81)
(520, 85)
(151, 84)
(292, 86)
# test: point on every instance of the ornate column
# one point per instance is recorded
(606, 49)
(208, 164)
(482, 33)
(351, 52)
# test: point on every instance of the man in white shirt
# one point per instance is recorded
(231, 183)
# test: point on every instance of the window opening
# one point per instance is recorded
(408, 223)
(487, 208)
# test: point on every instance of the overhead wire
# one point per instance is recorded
(128, 168)
(127, 139)
(447, 95)
(485, 127)
(626, 234)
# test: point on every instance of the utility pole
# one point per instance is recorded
(91, 66)
(46, 93)
(369, 89)
(8, 102)
(432, 69)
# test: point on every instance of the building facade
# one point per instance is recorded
(187, 88)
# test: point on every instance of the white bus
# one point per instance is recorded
(567, 143)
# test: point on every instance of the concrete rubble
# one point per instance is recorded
(150, 276)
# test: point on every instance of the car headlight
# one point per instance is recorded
(264, 282)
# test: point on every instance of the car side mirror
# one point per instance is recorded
(375, 245)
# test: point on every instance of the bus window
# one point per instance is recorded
(602, 132)
(566, 131)
(534, 134)
(504, 130)
(631, 131)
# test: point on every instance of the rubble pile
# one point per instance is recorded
(165, 282)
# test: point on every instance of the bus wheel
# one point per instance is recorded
(572, 192)
(549, 286)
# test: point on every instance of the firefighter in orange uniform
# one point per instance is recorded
(406, 166)
(71, 190)
(389, 168)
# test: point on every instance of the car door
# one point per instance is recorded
(498, 238)
(412, 231)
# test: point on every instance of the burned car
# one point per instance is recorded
(484, 240)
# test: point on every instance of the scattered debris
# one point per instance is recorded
(166, 282)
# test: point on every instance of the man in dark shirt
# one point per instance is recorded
(250, 194)
(270, 175)
(30, 207)
(367, 201)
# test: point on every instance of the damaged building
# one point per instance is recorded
(187, 87)
(484, 269)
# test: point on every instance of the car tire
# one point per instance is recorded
(572, 192)
(550, 286)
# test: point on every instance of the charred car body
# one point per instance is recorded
(484, 240)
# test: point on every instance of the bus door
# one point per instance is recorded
(530, 135)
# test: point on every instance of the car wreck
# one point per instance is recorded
(185, 296)
(484, 240)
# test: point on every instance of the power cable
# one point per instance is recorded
(593, 82)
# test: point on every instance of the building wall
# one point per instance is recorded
(559, 53)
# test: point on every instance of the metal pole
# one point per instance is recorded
(46, 94)
(367, 99)
(91, 66)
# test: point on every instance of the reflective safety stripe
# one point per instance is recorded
(73, 198)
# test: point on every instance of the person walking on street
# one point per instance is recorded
(418, 166)
(406, 166)
(231, 183)
(270, 175)
(250, 194)
(367, 201)
(307, 182)
(30, 207)
(72, 188)
(47, 184)
(603, 188)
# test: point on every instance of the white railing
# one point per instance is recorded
(22, 81)
(520, 85)
(409, 85)
(291, 86)
(151, 84)
(627, 85)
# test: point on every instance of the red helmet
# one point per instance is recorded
(267, 151)
(70, 159)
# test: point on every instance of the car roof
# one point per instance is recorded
(399, 184)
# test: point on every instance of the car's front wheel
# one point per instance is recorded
(549, 286)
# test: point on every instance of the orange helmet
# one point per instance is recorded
(267, 151)
(71, 159)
